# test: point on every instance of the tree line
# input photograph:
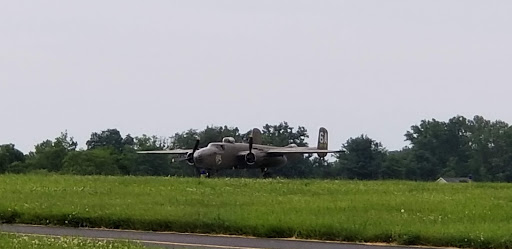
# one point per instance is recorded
(454, 148)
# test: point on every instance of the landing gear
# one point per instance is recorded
(203, 173)
(265, 173)
(207, 173)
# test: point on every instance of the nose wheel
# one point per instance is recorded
(202, 173)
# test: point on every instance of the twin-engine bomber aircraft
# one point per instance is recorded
(230, 155)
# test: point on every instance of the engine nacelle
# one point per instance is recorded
(250, 158)
(190, 159)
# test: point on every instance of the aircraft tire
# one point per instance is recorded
(266, 174)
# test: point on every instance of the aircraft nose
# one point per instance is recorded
(199, 157)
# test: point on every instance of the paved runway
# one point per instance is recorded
(180, 240)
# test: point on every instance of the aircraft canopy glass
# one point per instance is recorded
(217, 146)
(228, 140)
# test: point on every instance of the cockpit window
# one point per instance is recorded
(217, 146)
(228, 140)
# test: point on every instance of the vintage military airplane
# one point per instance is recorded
(231, 155)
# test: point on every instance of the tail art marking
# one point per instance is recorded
(323, 139)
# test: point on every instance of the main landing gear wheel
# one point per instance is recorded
(265, 173)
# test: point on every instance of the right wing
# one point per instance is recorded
(300, 150)
(169, 152)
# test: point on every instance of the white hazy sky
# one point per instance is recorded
(160, 67)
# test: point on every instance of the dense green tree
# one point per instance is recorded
(187, 139)
(459, 132)
(146, 142)
(363, 158)
(499, 166)
(158, 165)
(49, 155)
(9, 155)
(431, 137)
(17, 168)
(108, 138)
(481, 143)
(398, 165)
(441, 148)
(99, 161)
(128, 140)
(322, 168)
(122, 150)
(462, 147)
(283, 134)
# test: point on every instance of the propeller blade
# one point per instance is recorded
(178, 159)
(250, 158)
(196, 146)
(190, 155)
(251, 140)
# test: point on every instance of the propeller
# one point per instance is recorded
(179, 159)
(190, 155)
(196, 146)
(251, 141)
(250, 158)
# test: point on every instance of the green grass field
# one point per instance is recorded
(463, 215)
(13, 241)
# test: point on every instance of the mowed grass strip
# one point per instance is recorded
(474, 215)
(15, 241)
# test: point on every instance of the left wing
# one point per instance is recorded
(300, 150)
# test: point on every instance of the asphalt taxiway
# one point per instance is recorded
(183, 240)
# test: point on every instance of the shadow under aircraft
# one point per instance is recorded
(252, 155)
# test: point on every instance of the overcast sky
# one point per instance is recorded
(160, 67)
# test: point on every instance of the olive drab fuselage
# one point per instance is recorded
(231, 155)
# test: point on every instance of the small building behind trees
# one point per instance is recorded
(454, 180)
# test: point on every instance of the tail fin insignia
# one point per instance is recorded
(323, 139)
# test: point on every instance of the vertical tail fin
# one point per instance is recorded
(256, 136)
(323, 139)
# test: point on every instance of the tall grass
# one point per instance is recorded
(463, 215)
(13, 241)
